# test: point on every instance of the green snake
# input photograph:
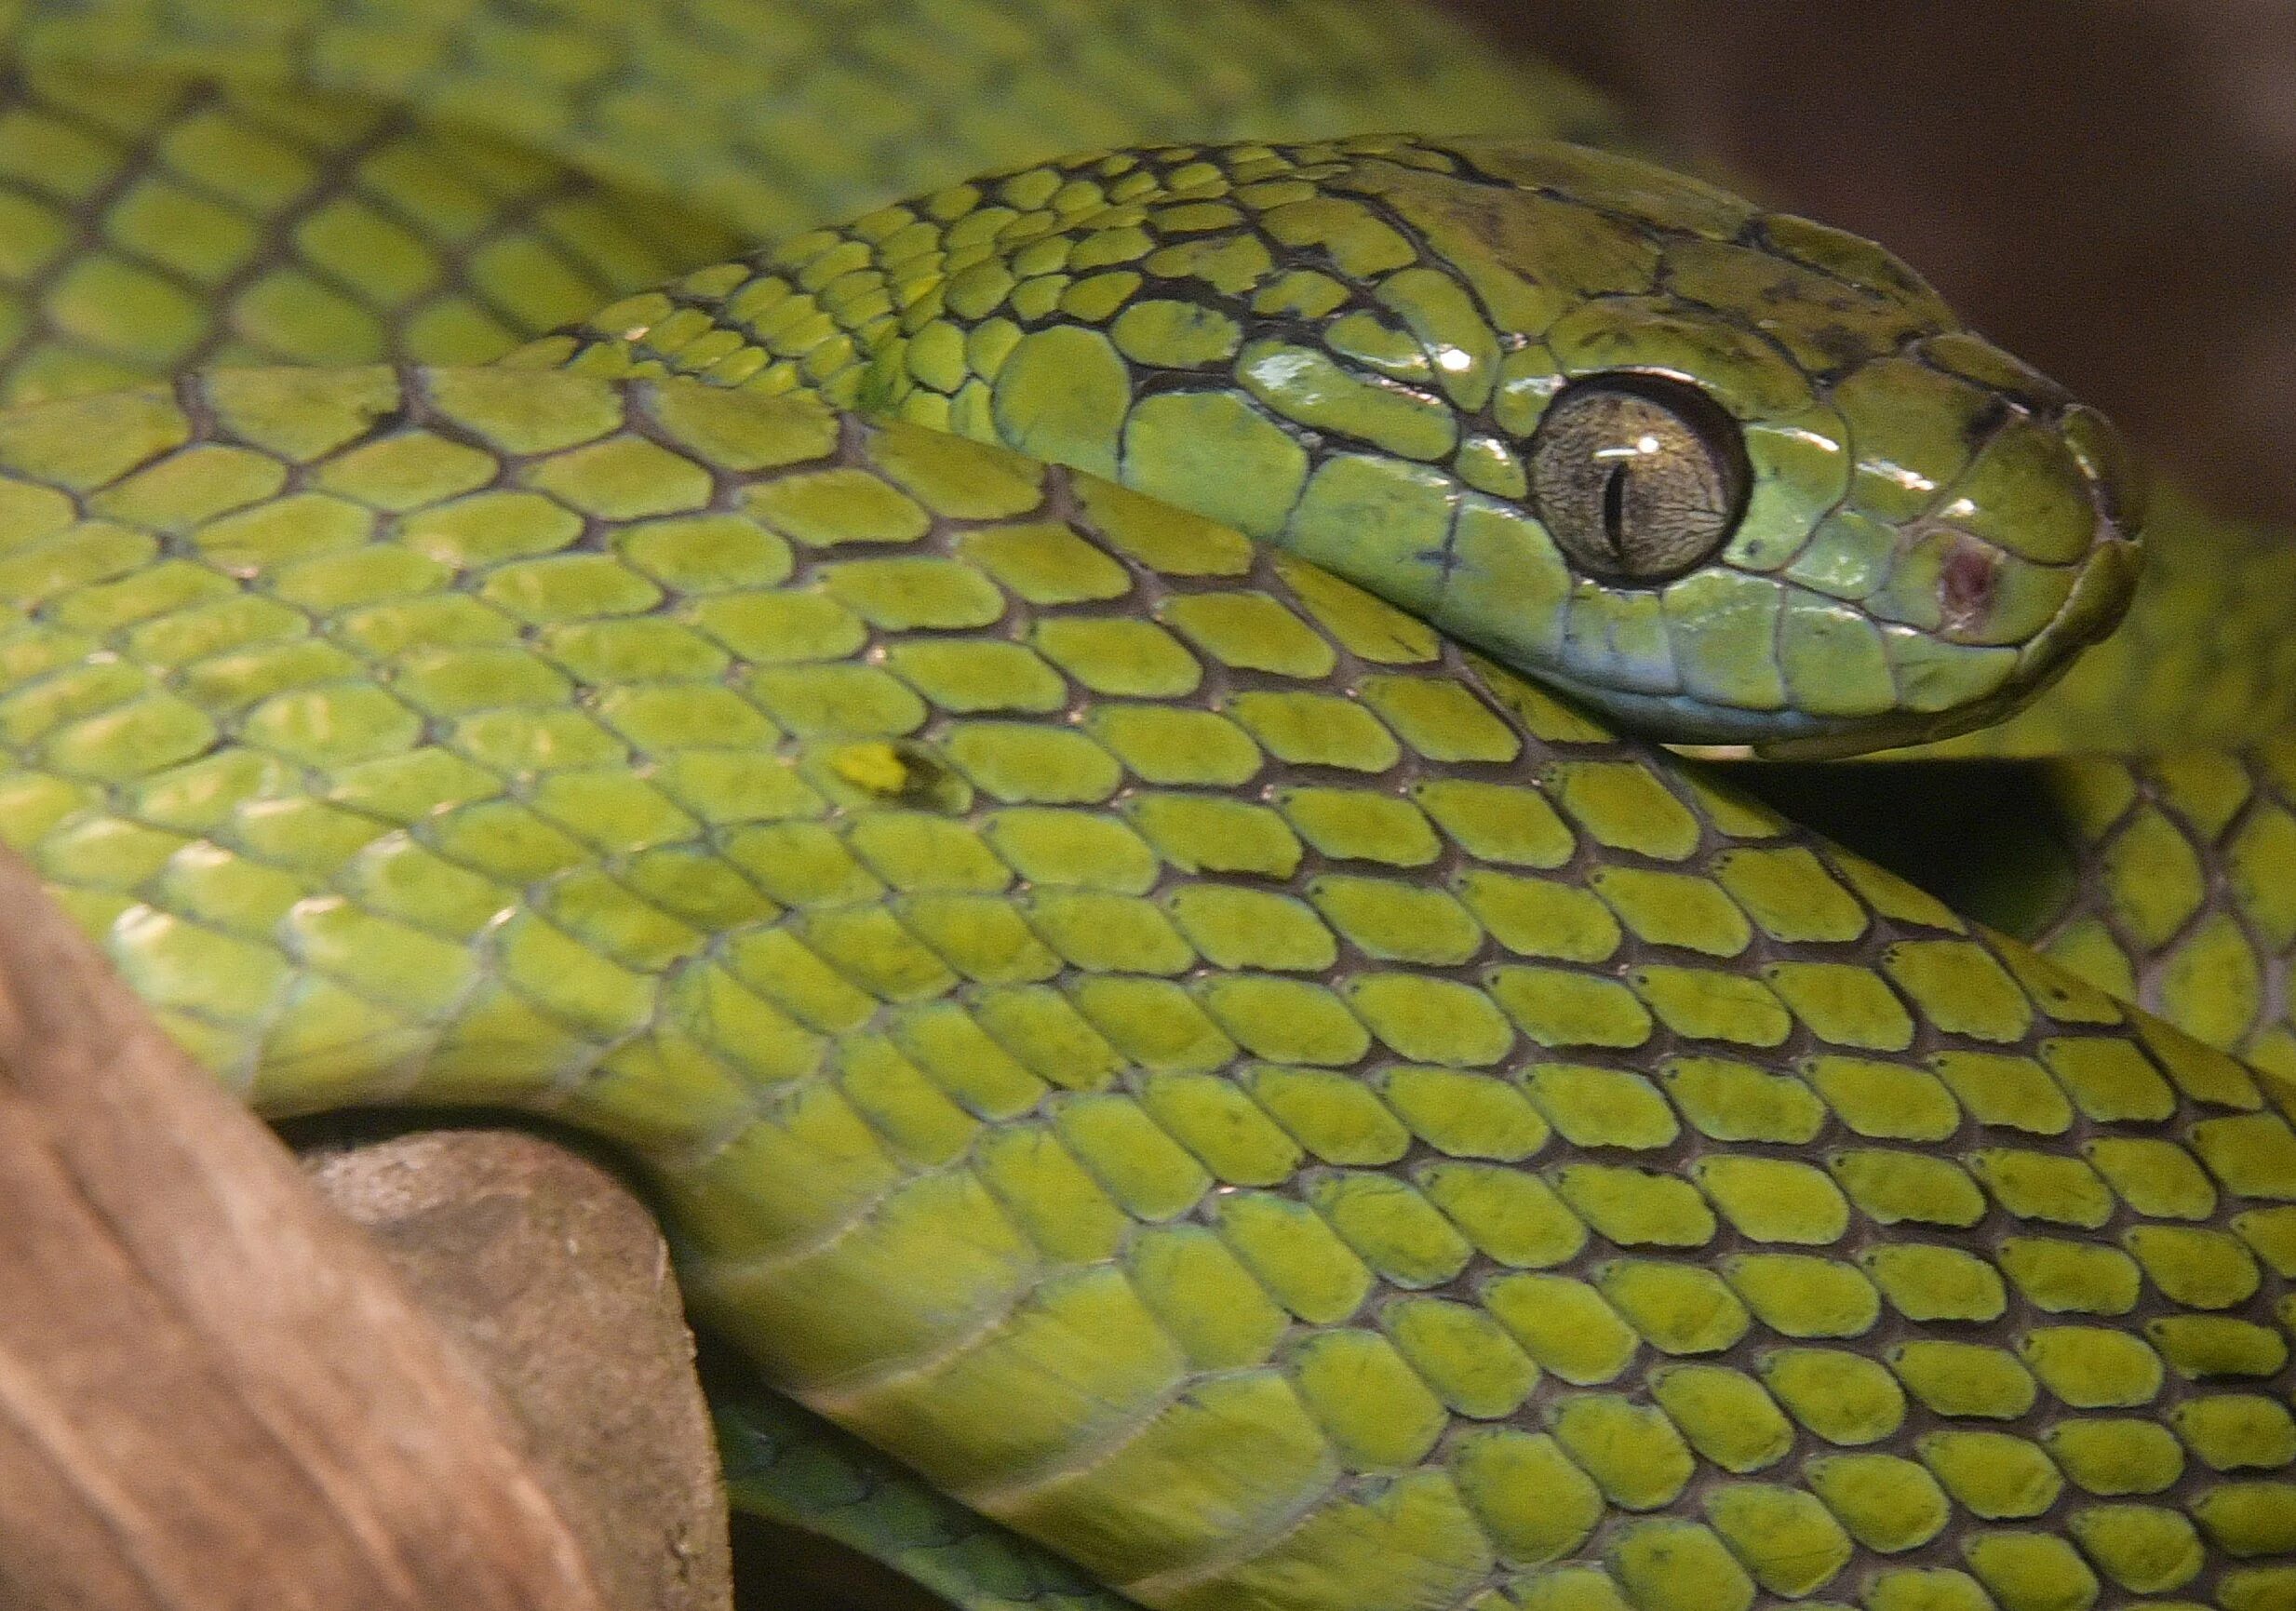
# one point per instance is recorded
(1070, 768)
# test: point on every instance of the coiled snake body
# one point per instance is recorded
(1143, 973)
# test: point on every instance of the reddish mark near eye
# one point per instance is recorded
(1966, 586)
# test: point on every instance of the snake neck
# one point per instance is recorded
(913, 311)
(1168, 318)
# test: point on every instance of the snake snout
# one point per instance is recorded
(1989, 533)
(2116, 479)
(2105, 579)
(2055, 486)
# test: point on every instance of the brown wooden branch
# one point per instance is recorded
(214, 1392)
(557, 1282)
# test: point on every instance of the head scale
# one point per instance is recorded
(1730, 476)
(1774, 493)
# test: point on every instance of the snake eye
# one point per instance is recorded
(1637, 477)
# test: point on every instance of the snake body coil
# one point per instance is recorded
(1123, 1015)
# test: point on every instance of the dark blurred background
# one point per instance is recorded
(2106, 187)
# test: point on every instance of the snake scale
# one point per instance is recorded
(1058, 766)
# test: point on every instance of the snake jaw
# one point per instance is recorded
(2094, 608)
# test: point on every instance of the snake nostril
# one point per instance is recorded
(1966, 587)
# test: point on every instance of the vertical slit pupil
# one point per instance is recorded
(1614, 508)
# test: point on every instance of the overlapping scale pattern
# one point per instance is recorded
(347, 180)
(1347, 348)
(789, 1466)
(771, 116)
(152, 222)
(2178, 891)
(1133, 1028)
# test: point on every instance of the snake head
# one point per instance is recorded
(1727, 475)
